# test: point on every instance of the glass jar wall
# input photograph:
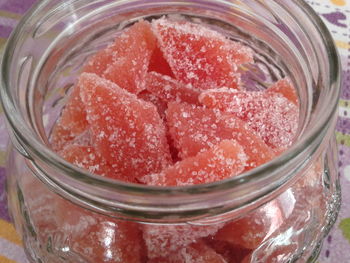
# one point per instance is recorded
(279, 212)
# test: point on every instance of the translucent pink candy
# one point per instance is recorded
(126, 61)
(127, 131)
(200, 56)
(196, 129)
(164, 240)
(251, 230)
(224, 160)
(169, 89)
(160, 104)
(72, 122)
(270, 114)
(286, 89)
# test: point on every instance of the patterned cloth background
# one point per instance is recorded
(336, 15)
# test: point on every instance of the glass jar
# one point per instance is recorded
(278, 212)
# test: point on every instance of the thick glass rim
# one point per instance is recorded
(34, 147)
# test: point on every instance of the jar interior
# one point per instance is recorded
(70, 43)
(60, 37)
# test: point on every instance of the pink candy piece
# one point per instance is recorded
(224, 160)
(98, 238)
(251, 230)
(86, 157)
(285, 88)
(197, 252)
(170, 89)
(164, 241)
(127, 131)
(196, 129)
(160, 104)
(270, 114)
(126, 61)
(199, 56)
(71, 123)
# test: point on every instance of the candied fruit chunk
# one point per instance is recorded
(200, 253)
(162, 241)
(90, 234)
(161, 107)
(97, 238)
(71, 123)
(160, 104)
(87, 158)
(270, 114)
(285, 88)
(125, 62)
(136, 38)
(195, 253)
(121, 240)
(170, 89)
(39, 200)
(159, 64)
(99, 62)
(222, 161)
(127, 131)
(231, 253)
(195, 129)
(251, 230)
(200, 56)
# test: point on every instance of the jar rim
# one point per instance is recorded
(33, 146)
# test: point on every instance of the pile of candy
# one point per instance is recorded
(163, 106)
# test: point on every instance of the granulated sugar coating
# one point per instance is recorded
(270, 114)
(195, 129)
(160, 104)
(200, 56)
(164, 240)
(285, 88)
(163, 106)
(98, 238)
(127, 131)
(71, 123)
(169, 89)
(224, 160)
(88, 158)
(197, 252)
(125, 62)
(122, 241)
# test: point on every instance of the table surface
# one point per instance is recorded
(336, 15)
